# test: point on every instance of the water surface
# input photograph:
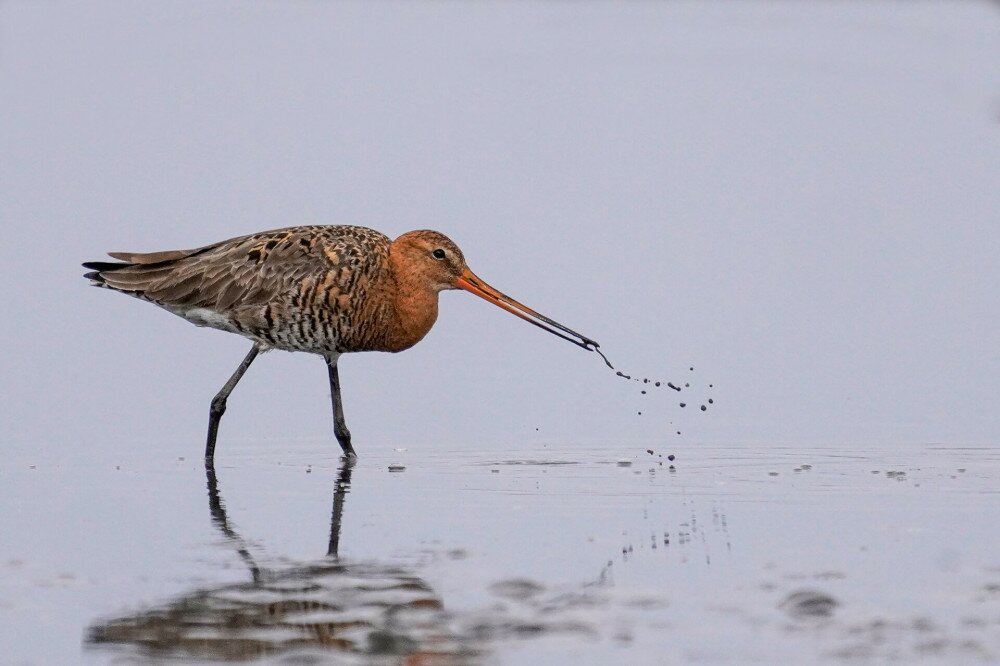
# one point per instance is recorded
(521, 556)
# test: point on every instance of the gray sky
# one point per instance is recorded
(799, 200)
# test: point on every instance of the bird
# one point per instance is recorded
(320, 289)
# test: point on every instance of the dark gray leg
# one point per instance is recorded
(339, 424)
(219, 404)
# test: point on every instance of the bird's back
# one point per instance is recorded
(321, 289)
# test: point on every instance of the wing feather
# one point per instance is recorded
(152, 257)
(245, 271)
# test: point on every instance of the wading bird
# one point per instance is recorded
(325, 290)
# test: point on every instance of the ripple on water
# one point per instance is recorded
(529, 462)
(809, 604)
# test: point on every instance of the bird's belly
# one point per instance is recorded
(209, 318)
(300, 332)
(289, 333)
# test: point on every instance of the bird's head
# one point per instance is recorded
(435, 261)
(431, 258)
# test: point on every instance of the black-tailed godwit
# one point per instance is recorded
(325, 290)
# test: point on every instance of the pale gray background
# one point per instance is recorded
(800, 200)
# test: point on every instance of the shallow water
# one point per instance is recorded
(779, 554)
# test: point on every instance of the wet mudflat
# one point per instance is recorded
(513, 556)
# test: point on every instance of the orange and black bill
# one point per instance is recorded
(469, 282)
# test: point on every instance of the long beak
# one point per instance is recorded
(469, 282)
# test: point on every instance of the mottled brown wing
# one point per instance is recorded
(245, 271)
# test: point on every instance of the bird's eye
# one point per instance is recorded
(439, 253)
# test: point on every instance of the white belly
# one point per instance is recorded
(210, 318)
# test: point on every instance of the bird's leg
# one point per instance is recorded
(339, 424)
(219, 404)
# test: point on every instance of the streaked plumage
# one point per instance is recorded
(319, 289)
(326, 290)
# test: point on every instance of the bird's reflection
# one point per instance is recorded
(365, 611)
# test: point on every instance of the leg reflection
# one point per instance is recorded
(340, 490)
(217, 509)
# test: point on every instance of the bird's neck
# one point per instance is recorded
(415, 308)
